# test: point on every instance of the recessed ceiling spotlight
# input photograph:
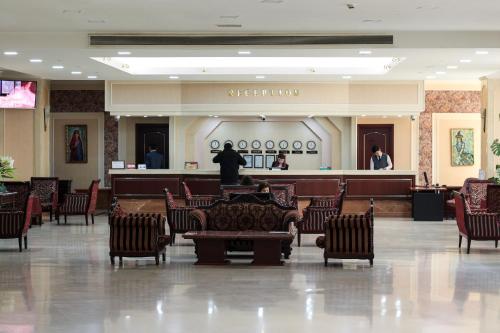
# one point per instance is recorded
(36, 61)
(127, 115)
(76, 72)
(440, 73)
(160, 115)
(173, 77)
(363, 115)
(145, 116)
(57, 67)
(346, 77)
(124, 53)
(260, 77)
(310, 116)
(430, 77)
(244, 52)
(481, 52)
(465, 61)
(365, 52)
(399, 115)
(10, 53)
(452, 67)
(92, 77)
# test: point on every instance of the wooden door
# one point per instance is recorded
(146, 134)
(370, 135)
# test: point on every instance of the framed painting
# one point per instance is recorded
(76, 143)
(462, 146)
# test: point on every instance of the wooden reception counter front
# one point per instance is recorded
(390, 188)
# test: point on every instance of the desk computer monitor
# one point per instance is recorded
(426, 179)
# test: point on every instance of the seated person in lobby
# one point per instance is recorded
(379, 160)
(247, 181)
(230, 162)
(265, 188)
(280, 162)
(154, 160)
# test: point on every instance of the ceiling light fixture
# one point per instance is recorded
(465, 61)
(57, 67)
(173, 77)
(346, 77)
(260, 77)
(452, 67)
(10, 53)
(216, 116)
(76, 73)
(365, 52)
(124, 52)
(310, 116)
(440, 73)
(244, 52)
(482, 52)
(36, 61)
(92, 77)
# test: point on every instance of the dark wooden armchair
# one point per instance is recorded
(15, 224)
(46, 189)
(23, 190)
(178, 218)
(197, 200)
(80, 203)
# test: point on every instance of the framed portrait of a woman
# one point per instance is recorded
(76, 143)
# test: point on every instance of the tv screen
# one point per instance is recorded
(16, 94)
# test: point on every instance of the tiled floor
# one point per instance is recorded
(420, 283)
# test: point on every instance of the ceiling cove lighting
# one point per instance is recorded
(57, 67)
(92, 77)
(482, 52)
(244, 52)
(10, 53)
(260, 77)
(465, 61)
(76, 73)
(173, 77)
(124, 53)
(252, 65)
(452, 67)
(36, 61)
(347, 77)
(365, 52)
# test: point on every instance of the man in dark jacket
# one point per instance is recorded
(154, 160)
(230, 162)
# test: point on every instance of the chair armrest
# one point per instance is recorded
(75, 202)
(199, 217)
(294, 202)
(201, 200)
(291, 219)
(13, 224)
(320, 242)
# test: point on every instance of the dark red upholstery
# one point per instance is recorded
(15, 224)
(475, 225)
(137, 235)
(197, 200)
(348, 237)
(313, 219)
(474, 190)
(493, 198)
(178, 218)
(80, 203)
(23, 190)
(46, 189)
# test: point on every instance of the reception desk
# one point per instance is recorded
(390, 188)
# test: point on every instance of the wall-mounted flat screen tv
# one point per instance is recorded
(16, 94)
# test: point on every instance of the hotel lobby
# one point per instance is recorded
(251, 166)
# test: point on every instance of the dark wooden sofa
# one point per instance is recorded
(246, 212)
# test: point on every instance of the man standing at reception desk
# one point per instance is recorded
(379, 160)
(154, 160)
(230, 162)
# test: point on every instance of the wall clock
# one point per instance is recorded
(242, 144)
(256, 144)
(297, 145)
(311, 145)
(214, 144)
(283, 144)
(269, 144)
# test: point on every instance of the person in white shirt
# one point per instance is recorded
(379, 160)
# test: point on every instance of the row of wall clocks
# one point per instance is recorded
(269, 144)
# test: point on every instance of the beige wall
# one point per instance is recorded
(444, 173)
(402, 158)
(81, 174)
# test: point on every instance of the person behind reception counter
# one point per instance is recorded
(280, 162)
(154, 160)
(230, 162)
(379, 160)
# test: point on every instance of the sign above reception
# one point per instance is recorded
(263, 92)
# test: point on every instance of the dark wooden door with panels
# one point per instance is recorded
(369, 135)
(151, 134)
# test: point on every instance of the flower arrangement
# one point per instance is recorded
(6, 170)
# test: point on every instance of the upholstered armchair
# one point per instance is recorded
(46, 189)
(333, 201)
(178, 218)
(197, 200)
(475, 225)
(137, 235)
(80, 203)
(348, 237)
(493, 198)
(15, 224)
(23, 191)
(313, 219)
(475, 193)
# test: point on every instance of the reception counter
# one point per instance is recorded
(360, 184)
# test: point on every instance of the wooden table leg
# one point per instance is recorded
(267, 252)
(211, 252)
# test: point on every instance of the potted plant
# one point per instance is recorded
(495, 148)
(6, 170)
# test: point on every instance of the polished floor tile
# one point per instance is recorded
(420, 282)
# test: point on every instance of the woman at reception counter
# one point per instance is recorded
(280, 162)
